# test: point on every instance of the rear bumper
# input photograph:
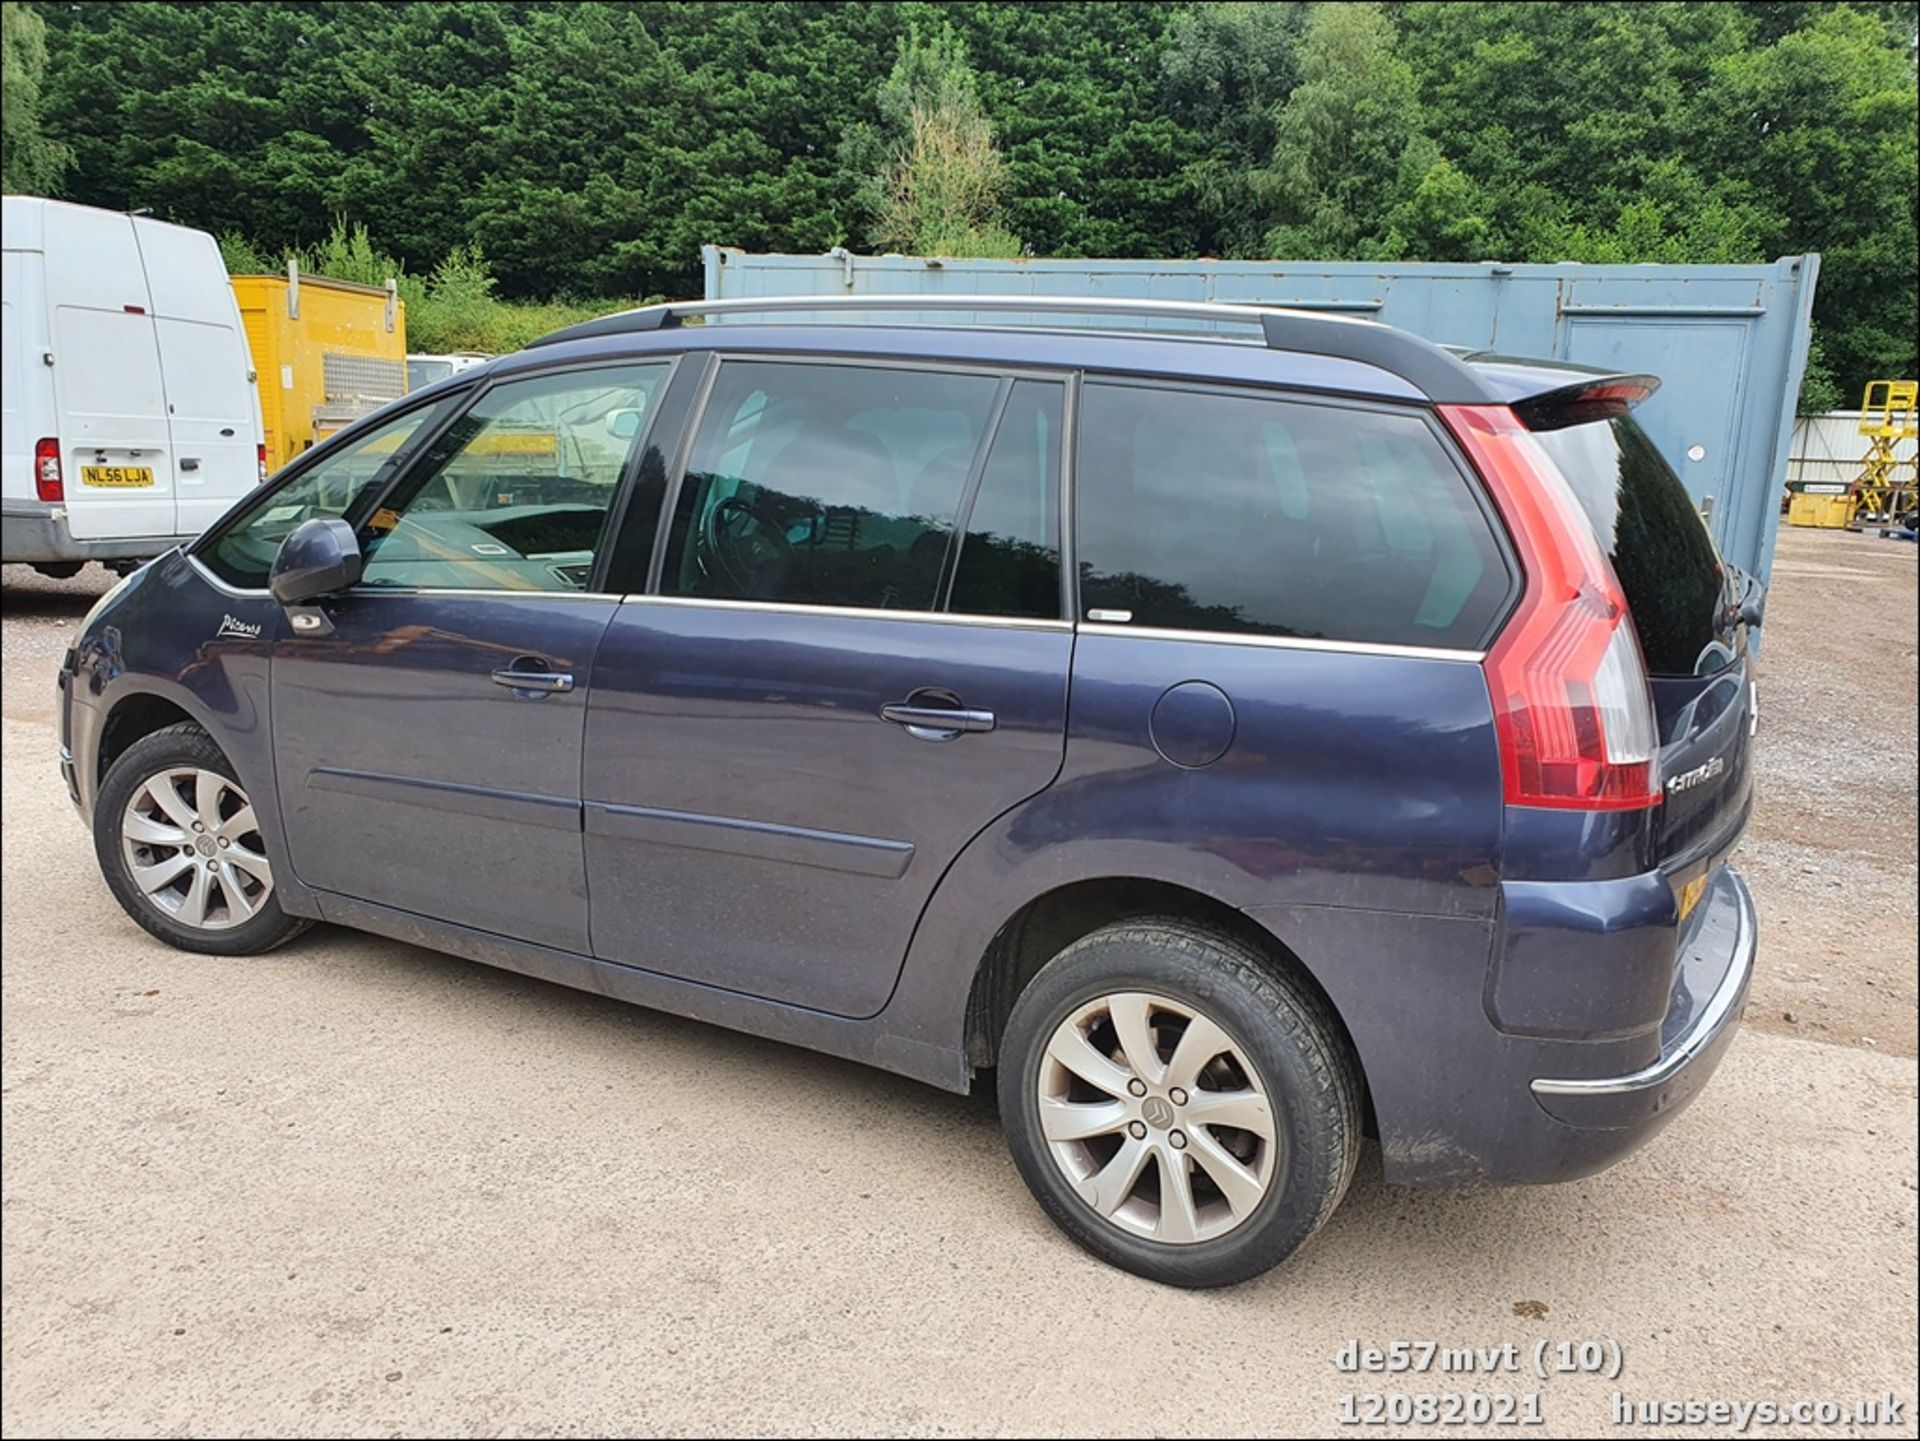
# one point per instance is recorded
(1709, 994)
(32, 533)
(1625, 1012)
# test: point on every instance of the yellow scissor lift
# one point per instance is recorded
(1884, 492)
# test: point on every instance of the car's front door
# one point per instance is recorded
(428, 747)
(853, 662)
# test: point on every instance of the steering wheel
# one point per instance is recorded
(748, 551)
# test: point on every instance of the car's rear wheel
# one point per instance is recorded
(179, 843)
(1182, 1106)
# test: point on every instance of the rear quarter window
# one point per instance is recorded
(1198, 510)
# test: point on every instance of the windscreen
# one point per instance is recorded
(425, 372)
(1644, 519)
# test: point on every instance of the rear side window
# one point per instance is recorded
(1644, 520)
(832, 485)
(1010, 555)
(1238, 513)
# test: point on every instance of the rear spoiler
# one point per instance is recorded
(1599, 397)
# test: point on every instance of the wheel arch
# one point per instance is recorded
(133, 717)
(135, 705)
(1048, 923)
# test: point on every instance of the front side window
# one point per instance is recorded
(243, 554)
(832, 485)
(1237, 513)
(515, 495)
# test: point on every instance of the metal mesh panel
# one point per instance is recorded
(364, 377)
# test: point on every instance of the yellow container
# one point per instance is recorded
(1829, 512)
(325, 351)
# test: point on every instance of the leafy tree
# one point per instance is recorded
(1226, 70)
(1825, 124)
(939, 189)
(1095, 166)
(347, 252)
(1350, 153)
(241, 256)
(1819, 391)
(1441, 216)
(944, 189)
(32, 162)
(930, 71)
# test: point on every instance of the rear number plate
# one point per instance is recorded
(116, 476)
(1691, 892)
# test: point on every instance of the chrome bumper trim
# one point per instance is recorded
(1714, 1018)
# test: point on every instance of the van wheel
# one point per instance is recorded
(1180, 1106)
(181, 849)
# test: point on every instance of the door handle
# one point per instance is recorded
(936, 723)
(190, 462)
(529, 683)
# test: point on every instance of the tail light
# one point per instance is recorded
(1572, 706)
(260, 460)
(47, 483)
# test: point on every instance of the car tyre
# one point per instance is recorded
(194, 875)
(1223, 1203)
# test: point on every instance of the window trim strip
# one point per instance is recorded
(1285, 642)
(849, 612)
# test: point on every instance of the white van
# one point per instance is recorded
(130, 413)
(423, 370)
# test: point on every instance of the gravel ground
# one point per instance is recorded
(355, 1188)
(1830, 853)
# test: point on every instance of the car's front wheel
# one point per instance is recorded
(1183, 1107)
(180, 846)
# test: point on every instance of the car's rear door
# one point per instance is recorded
(428, 743)
(854, 660)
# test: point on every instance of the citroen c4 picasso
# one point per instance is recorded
(1237, 744)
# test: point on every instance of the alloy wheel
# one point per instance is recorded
(1157, 1118)
(193, 848)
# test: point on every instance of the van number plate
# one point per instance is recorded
(117, 476)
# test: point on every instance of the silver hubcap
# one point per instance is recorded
(1157, 1118)
(193, 847)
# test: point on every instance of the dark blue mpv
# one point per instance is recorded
(1238, 745)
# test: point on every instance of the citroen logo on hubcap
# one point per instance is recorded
(1156, 1112)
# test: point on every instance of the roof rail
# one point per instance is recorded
(1442, 377)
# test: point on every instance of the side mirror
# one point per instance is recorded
(320, 558)
(623, 424)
